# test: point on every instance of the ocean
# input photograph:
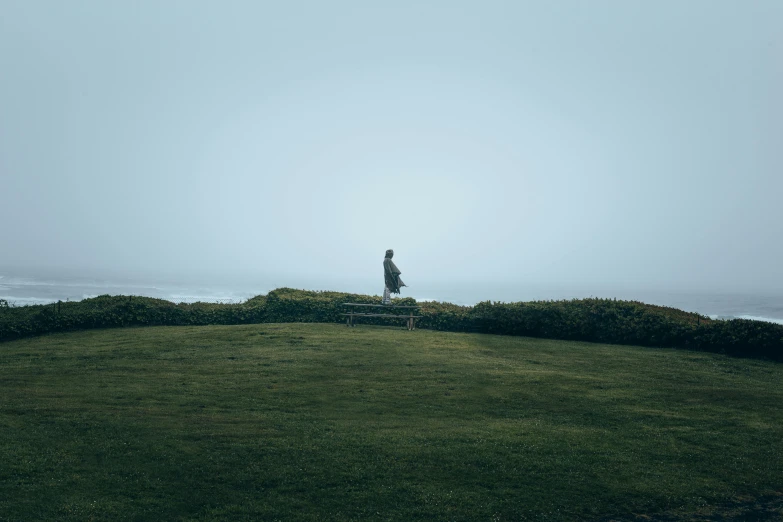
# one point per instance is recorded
(21, 290)
(29, 290)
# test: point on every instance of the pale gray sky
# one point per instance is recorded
(601, 142)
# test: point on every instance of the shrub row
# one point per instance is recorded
(632, 323)
(596, 320)
(116, 311)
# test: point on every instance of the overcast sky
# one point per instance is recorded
(600, 142)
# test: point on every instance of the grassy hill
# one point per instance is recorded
(322, 422)
(592, 320)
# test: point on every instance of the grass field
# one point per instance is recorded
(322, 422)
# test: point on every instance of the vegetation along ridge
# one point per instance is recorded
(594, 320)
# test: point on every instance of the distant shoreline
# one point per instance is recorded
(24, 291)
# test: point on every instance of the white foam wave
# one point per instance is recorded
(25, 301)
(28, 282)
(748, 317)
(757, 318)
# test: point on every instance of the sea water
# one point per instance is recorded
(715, 304)
(21, 290)
(29, 290)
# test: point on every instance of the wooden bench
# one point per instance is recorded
(353, 313)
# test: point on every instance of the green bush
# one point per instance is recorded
(595, 320)
(286, 305)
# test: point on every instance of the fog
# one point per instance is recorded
(593, 144)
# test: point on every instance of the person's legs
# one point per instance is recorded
(386, 296)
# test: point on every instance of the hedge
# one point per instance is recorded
(594, 320)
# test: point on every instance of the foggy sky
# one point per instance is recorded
(617, 143)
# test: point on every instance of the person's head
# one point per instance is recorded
(389, 253)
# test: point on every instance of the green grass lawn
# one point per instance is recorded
(322, 422)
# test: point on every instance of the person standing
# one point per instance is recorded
(392, 277)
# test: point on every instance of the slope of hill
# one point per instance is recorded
(321, 422)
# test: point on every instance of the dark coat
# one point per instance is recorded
(392, 276)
